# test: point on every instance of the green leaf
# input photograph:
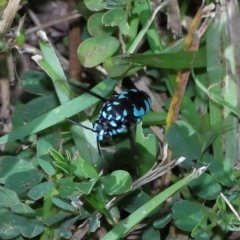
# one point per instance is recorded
(96, 27)
(36, 82)
(96, 204)
(46, 163)
(11, 225)
(86, 187)
(117, 182)
(163, 221)
(222, 171)
(94, 51)
(199, 231)
(206, 187)
(10, 165)
(65, 167)
(8, 197)
(65, 230)
(4, 210)
(136, 200)
(221, 203)
(22, 181)
(151, 233)
(23, 209)
(51, 65)
(67, 187)
(39, 106)
(154, 118)
(94, 222)
(176, 61)
(83, 169)
(58, 157)
(143, 10)
(86, 143)
(56, 218)
(32, 229)
(108, 4)
(18, 116)
(183, 141)
(48, 141)
(94, 5)
(116, 66)
(117, 17)
(187, 215)
(146, 151)
(202, 236)
(62, 203)
(40, 190)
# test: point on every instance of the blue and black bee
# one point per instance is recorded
(119, 113)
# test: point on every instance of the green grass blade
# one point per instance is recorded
(177, 61)
(60, 113)
(216, 97)
(128, 223)
(50, 64)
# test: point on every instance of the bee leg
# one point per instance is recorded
(132, 141)
(99, 150)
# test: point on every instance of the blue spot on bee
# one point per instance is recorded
(122, 95)
(118, 117)
(113, 123)
(104, 114)
(109, 117)
(138, 113)
(121, 130)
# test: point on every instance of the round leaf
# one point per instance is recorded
(115, 17)
(8, 197)
(222, 170)
(36, 82)
(33, 229)
(86, 187)
(163, 221)
(183, 141)
(22, 181)
(94, 51)
(117, 182)
(187, 215)
(23, 209)
(83, 169)
(39, 106)
(11, 225)
(96, 27)
(62, 203)
(116, 66)
(94, 5)
(10, 165)
(206, 187)
(40, 190)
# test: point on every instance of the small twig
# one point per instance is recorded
(74, 35)
(230, 206)
(67, 17)
(35, 19)
(8, 16)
